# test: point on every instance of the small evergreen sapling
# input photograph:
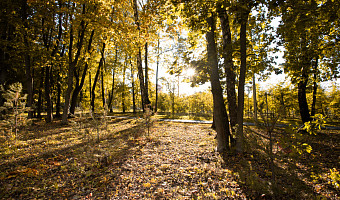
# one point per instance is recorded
(14, 105)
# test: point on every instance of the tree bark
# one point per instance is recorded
(49, 116)
(229, 66)
(243, 69)
(133, 90)
(303, 105)
(146, 70)
(144, 93)
(113, 83)
(79, 85)
(96, 79)
(157, 63)
(28, 71)
(220, 113)
(254, 99)
(315, 88)
(72, 65)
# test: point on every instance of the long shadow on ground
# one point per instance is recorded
(73, 170)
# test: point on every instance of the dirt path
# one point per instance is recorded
(177, 162)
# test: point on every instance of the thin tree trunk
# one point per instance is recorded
(146, 70)
(133, 90)
(229, 66)
(157, 63)
(123, 91)
(220, 113)
(254, 99)
(243, 69)
(315, 88)
(49, 116)
(58, 103)
(102, 84)
(39, 107)
(113, 82)
(28, 71)
(96, 79)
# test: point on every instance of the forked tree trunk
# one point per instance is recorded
(72, 65)
(220, 113)
(79, 84)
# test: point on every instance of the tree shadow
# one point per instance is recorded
(65, 172)
(253, 170)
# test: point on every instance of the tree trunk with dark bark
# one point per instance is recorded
(243, 70)
(315, 88)
(72, 65)
(229, 66)
(96, 79)
(144, 93)
(220, 113)
(303, 105)
(79, 84)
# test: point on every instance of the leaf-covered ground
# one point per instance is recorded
(174, 161)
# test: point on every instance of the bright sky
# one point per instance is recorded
(184, 88)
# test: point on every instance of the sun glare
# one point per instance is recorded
(190, 72)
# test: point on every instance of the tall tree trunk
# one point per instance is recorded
(49, 116)
(144, 93)
(157, 63)
(72, 65)
(254, 99)
(58, 103)
(133, 90)
(102, 84)
(229, 66)
(123, 91)
(113, 82)
(96, 79)
(220, 113)
(146, 70)
(303, 105)
(243, 69)
(28, 71)
(79, 85)
(39, 106)
(315, 88)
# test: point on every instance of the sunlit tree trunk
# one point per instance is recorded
(220, 113)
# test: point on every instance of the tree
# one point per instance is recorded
(220, 113)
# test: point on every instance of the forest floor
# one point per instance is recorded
(119, 159)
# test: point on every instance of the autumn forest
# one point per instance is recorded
(169, 99)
